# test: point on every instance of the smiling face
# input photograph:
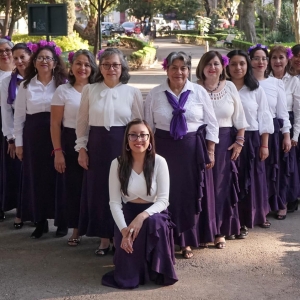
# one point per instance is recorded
(111, 69)
(44, 62)
(295, 61)
(278, 62)
(237, 67)
(21, 59)
(81, 68)
(213, 69)
(5, 55)
(178, 72)
(259, 62)
(138, 138)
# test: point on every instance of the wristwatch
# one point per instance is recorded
(11, 141)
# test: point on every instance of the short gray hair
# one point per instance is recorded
(124, 78)
(5, 41)
(181, 56)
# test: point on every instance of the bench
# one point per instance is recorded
(229, 39)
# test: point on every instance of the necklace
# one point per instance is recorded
(213, 90)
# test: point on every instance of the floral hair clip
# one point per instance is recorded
(42, 43)
(289, 53)
(70, 57)
(100, 52)
(257, 46)
(7, 37)
(165, 64)
(225, 60)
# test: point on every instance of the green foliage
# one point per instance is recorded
(195, 39)
(219, 36)
(238, 44)
(204, 24)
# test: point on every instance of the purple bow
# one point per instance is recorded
(12, 88)
(178, 126)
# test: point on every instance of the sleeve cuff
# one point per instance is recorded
(295, 136)
(19, 141)
(212, 138)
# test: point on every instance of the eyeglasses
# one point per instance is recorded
(108, 66)
(142, 137)
(46, 59)
(257, 58)
(5, 51)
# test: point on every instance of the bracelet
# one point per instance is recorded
(57, 149)
(11, 141)
(264, 147)
(239, 144)
(240, 138)
(211, 152)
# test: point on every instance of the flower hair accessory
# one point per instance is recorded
(289, 53)
(257, 46)
(100, 52)
(7, 37)
(225, 60)
(42, 43)
(70, 57)
(165, 64)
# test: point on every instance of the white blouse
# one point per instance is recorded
(65, 95)
(257, 110)
(7, 109)
(228, 107)
(276, 97)
(3, 74)
(292, 91)
(137, 189)
(36, 98)
(103, 106)
(199, 109)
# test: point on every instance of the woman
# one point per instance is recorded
(232, 123)
(11, 165)
(279, 141)
(106, 107)
(253, 196)
(64, 108)
(279, 67)
(6, 67)
(139, 196)
(186, 131)
(295, 61)
(45, 72)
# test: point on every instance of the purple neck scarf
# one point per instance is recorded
(178, 126)
(12, 88)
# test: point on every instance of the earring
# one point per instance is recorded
(71, 73)
(127, 147)
(35, 70)
(150, 147)
(53, 71)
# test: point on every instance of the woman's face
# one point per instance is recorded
(5, 55)
(213, 69)
(111, 68)
(44, 62)
(237, 67)
(21, 59)
(138, 138)
(259, 62)
(295, 61)
(279, 62)
(178, 72)
(81, 68)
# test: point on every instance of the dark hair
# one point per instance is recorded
(126, 160)
(205, 59)
(94, 67)
(296, 49)
(249, 80)
(124, 78)
(281, 49)
(181, 56)
(252, 53)
(59, 73)
(21, 46)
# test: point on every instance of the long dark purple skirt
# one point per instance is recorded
(191, 187)
(95, 215)
(39, 175)
(277, 169)
(10, 177)
(68, 187)
(153, 252)
(253, 205)
(226, 184)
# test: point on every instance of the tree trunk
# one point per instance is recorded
(6, 20)
(277, 4)
(207, 7)
(297, 20)
(96, 43)
(70, 15)
(248, 17)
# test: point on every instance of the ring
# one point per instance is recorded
(131, 230)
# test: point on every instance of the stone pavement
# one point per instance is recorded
(265, 266)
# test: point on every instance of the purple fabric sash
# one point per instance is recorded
(14, 81)
(178, 126)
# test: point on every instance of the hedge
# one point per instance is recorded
(195, 39)
(242, 45)
(219, 36)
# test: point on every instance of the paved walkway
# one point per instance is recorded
(265, 266)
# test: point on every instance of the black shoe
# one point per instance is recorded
(18, 225)
(230, 237)
(292, 206)
(243, 233)
(41, 227)
(2, 215)
(61, 231)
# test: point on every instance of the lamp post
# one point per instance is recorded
(99, 24)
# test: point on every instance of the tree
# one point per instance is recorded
(297, 20)
(140, 9)
(247, 14)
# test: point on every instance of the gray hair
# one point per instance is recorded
(181, 56)
(92, 61)
(5, 41)
(124, 78)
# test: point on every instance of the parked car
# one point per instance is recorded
(189, 26)
(131, 27)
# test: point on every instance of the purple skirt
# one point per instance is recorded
(10, 177)
(191, 186)
(39, 175)
(253, 205)
(226, 184)
(95, 215)
(153, 252)
(68, 186)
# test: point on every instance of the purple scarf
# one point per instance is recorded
(12, 87)
(178, 126)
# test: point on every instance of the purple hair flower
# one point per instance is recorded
(7, 37)
(70, 57)
(34, 47)
(29, 46)
(51, 44)
(43, 43)
(100, 52)
(57, 50)
(289, 53)
(165, 64)
(225, 60)
(257, 46)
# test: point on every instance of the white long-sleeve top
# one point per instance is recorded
(276, 97)
(36, 98)
(199, 109)
(257, 110)
(7, 109)
(137, 189)
(103, 106)
(3, 74)
(292, 91)
(228, 107)
(65, 95)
